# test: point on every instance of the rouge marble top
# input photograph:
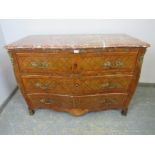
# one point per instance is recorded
(77, 41)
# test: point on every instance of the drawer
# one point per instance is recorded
(54, 63)
(76, 84)
(90, 102)
(86, 62)
(113, 60)
(100, 101)
(50, 101)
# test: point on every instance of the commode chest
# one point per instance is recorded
(77, 73)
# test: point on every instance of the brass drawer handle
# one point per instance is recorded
(108, 101)
(46, 101)
(43, 86)
(111, 85)
(117, 64)
(39, 64)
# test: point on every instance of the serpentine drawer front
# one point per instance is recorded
(76, 85)
(77, 73)
(79, 104)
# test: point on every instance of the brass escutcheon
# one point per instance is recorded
(77, 85)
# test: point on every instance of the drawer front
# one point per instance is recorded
(45, 63)
(89, 102)
(113, 61)
(85, 62)
(76, 85)
(47, 84)
(99, 102)
(50, 101)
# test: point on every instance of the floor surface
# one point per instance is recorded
(140, 119)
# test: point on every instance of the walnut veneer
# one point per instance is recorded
(77, 73)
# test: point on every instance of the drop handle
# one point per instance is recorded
(108, 101)
(116, 64)
(43, 85)
(46, 101)
(39, 64)
(111, 85)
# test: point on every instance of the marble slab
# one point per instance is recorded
(77, 41)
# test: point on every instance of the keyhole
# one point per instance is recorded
(76, 85)
(75, 65)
